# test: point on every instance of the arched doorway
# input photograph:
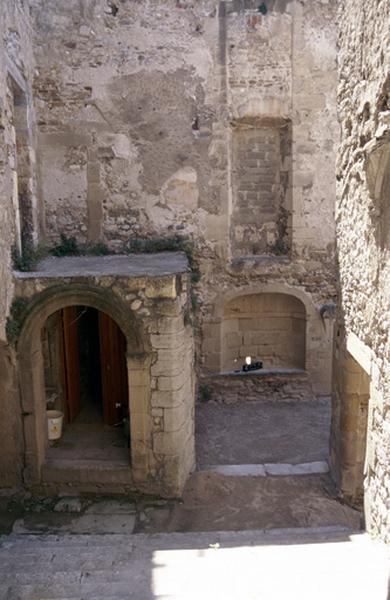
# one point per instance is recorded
(85, 373)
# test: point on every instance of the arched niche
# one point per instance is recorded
(269, 326)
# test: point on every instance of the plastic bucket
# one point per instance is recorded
(54, 424)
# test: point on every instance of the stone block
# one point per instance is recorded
(175, 418)
(161, 287)
(171, 341)
(168, 399)
(233, 340)
(141, 426)
(174, 382)
(169, 443)
(140, 399)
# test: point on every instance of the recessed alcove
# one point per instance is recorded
(260, 222)
(270, 327)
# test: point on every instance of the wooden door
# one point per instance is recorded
(69, 356)
(113, 370)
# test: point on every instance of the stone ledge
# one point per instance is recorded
(270, 469)
(262, 373)
(133, 265)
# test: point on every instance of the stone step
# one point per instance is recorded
(262, 470)
(83, 559)
(45, 573)
(32, 542)
(86, 591)
(28, 544)
(87, 471)
(190, 566)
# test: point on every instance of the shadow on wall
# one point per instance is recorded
(270, 327)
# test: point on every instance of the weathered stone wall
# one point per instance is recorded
(144, 111)
(362, 241)
(261, 190)
(152, 312)
(16, 72)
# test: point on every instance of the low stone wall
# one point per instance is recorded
(243, 387)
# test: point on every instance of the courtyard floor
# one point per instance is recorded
(262, 432)
(251, 534)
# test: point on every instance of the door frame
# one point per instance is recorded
(32, 384)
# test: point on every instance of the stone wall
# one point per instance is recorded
(154, 117)
(362, 240)
(152, 312)
(17, 163)
(261, 190)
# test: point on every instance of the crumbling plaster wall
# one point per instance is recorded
(137, 104)
(362, 242)
(16, 63)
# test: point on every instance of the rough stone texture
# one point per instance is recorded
(362, 219)
(262, 432)
(214, 121)
(206, 119)
(259, 386)
(262, 174)
(195, 565)
(159, 363)
(212, 501)
(17, 147)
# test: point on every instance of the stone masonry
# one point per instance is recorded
(217, 121)
(229, 141)
(148, 298)
(362, 353)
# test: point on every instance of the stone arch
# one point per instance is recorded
(31, 375)
(269, 326)
(318, 335)
(277, 288)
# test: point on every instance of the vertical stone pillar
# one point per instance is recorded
(142, 462)
(349, 426)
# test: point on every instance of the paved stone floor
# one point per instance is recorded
(322, 564)
(262, 432)
(228, 537)
(210, 502)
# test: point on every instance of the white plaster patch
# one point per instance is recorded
(182, 188)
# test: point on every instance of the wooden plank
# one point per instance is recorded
(113, 370)
(71, 362)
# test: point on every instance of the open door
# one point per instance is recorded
(69, 358)
(113, 370)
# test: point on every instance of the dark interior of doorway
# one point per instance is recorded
(91, 402)
(91, 375)
(93, 367)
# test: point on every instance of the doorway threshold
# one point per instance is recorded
(76, 472)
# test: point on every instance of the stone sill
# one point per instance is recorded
(133, 265)
(262, 373)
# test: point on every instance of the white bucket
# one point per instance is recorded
(54, 424)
